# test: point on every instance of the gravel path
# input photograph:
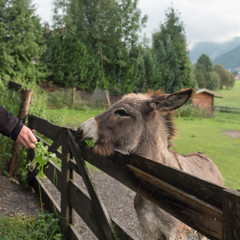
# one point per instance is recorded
(117, 198)
(15, 200)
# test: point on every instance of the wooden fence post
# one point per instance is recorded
(74, 97)
(67, 175)
(108, 98)
(23, 111)
(231, 214)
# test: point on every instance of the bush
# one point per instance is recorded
(19, 227)
(188, 111)
(11, 101)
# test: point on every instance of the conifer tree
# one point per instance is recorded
(109, 29)
(21, 41)
(204, 73)
(171, 54)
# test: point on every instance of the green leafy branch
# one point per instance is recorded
(42, 157)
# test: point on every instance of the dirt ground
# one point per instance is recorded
(15, 200)
(116, 197)
(232, 133)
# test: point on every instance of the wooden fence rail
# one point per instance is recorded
(208, 208)
(227, 109)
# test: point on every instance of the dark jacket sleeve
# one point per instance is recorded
(10, 126)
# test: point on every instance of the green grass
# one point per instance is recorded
(230, 98)
(206, 135)
(73, 118)
(29, 228)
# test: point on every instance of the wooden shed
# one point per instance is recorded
(204, 99)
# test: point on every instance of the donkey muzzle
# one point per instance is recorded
(87, 130)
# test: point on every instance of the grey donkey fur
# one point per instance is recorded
(141, 124)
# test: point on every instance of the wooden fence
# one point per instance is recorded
(227, 109)
(26, 98)
(210, 209)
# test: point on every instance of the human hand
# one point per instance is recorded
(26, 138)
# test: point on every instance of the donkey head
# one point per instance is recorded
(135, 121)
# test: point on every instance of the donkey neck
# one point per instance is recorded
(154, 143)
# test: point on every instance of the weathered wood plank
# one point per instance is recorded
(47, 198)
(231, 211)
(227, 109)
(100, 211)
(26, 99)
(194, 212)
(116, 166)
(44, 127)
(73, 234)
(121, 232)
(74, 167)
(66, 209)
(82, 205)
(54, 174)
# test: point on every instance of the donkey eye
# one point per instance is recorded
(121, 112)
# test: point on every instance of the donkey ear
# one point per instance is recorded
(168, 102)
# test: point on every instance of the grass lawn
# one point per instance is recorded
(73, 118)
(230, 98)
(206, 135)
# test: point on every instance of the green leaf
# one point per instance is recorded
(42, 157)
(90, 142)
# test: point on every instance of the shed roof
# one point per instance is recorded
(205, 90)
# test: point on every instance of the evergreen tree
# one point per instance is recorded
(204, 73)
(109, 29)
(199, 75)
(206, 62)
(171, 54)
(21, 41)
(69, 63)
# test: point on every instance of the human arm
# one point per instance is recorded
(12, 127)
(26, 138)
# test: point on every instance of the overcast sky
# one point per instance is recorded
(204, 20)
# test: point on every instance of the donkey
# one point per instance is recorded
(141, 124)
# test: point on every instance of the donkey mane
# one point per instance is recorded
(167, 116)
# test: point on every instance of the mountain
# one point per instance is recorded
(213, 50)
(230, 60)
